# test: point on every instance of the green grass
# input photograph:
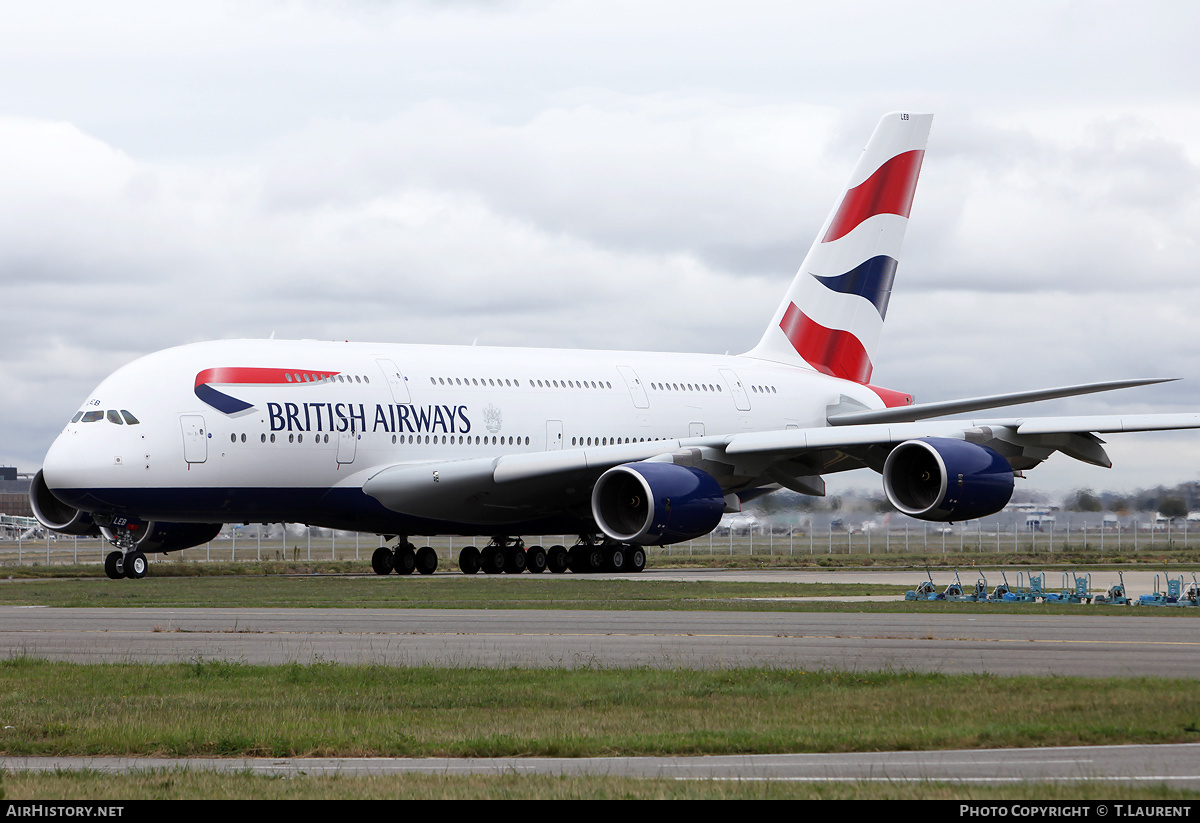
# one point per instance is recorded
(444, 591)
(504, 592)
(198, 785)
(231, 709)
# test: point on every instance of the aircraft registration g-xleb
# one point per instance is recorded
(624, 449)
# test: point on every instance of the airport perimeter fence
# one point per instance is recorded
(297, 543)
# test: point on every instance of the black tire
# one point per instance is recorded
(514, 560)
(405, 560)
(594, 559)
(636, 558)
(382, 561)
(427, 560)
(576, 559)
(535, 559)
(492, 560)
(468, 560)
(558, 560)
(114, 565)
(136, 565)
(616, 560)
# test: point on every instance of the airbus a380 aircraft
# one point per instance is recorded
(624, 449)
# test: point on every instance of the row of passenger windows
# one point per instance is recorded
(514, 383)
(462, 440)
(705, 387)
(540, 384)
(610, 441)
(319, 377)
(121, 417)
(452, 439)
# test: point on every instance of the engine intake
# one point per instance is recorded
(653, 504)
(937, 478)
(57, 515)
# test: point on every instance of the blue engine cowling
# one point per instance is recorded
(653, 504)
(936, 478)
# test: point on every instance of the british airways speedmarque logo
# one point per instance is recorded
(329, 416)
(249, 376)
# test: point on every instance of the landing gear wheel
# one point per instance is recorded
(594, 559)
(427, 560)
(405, 560)
(575, 559)
(492, 560)
(114, 565)
(381, 561)
(616, 559)
(558, 559)
(468, 560)
(136, 566)
(535, 559)
(636, 558)
(514, 560)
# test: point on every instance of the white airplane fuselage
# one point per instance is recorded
(324, 417)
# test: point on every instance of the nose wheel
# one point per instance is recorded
(132, 565)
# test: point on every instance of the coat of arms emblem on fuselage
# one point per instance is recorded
(492, 418)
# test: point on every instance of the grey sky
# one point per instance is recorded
(602, 175)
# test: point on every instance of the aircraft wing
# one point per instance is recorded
(522, 486)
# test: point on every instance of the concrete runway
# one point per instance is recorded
(1096, 641)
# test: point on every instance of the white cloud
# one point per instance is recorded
(626, 176)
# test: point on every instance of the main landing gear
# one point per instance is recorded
(589, 555)
(404, 559)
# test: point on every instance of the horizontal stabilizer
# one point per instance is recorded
(924, 411)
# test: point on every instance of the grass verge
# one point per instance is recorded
(196, 785)
(231, 709)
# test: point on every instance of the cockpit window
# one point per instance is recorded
(78, 415)
(129, 418)
(92, 416)
(114, 417)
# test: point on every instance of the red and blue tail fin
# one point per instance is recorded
(833, 312)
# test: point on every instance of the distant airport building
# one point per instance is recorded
(14, 492)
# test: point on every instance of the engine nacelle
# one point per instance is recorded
(936, 478)
(653, 504)
(151, 537)
(57, 515)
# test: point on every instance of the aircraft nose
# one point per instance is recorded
(78, 464)
(64, 466)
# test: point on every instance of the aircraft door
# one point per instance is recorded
(554, 435)
(740, 398)
(636, 390)
(396, 381)
(695, 429)
(347, 445)
(195, 438)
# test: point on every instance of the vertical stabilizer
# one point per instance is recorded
(833, 312)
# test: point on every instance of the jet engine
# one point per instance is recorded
(57, 515)
(653, 504)
(937, 478)
(151, 536)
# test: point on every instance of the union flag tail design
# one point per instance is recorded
(833, 312)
